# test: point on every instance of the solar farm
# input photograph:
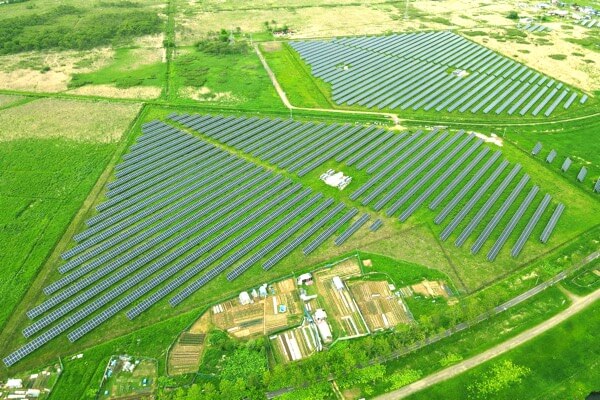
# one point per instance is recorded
(432, 71)
(296, 199)
(184, 208)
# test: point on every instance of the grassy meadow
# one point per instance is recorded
(47, 172)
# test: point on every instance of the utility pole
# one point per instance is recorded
(406, 10)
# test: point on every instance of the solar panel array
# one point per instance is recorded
(428, 70)
(404, 170)
(179, 206)
(171, 224)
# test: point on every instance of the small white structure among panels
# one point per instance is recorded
(336, 179)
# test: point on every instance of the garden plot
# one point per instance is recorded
(337, 300)
(380, 308)
(295, 344)
(184, 356)
(264, 315)
(129, 378)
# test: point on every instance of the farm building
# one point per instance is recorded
(244, 298)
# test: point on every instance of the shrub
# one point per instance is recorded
(513, 15)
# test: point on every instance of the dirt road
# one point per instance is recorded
(579, 303)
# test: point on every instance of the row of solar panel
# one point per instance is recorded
(371, 78)
(99, 284)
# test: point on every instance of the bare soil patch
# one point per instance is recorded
(49, 71)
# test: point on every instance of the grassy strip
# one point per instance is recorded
(561, 363)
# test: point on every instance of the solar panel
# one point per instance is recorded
(510, 227)
(352, 229)
(472, 200)
(485, 208)
(329, 231)
(376, 225)
(530, 225)
(582, 174)
(551, 156)
(487, 231)
(465, 189)
(536, 149)
(552, 223)
(435, 185)
(566, 164)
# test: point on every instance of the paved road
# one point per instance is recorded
(579, 303)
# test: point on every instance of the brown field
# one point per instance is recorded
(184, 356)
(23, 71)
(430, 289)
(135, 92)
(380, 308)
(339, 303)
(69, 119)
(261, 317)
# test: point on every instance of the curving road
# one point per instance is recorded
(578, 304)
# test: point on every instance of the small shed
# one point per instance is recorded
(262, 291)
(305, 279)
(337, 283)
(244, 298)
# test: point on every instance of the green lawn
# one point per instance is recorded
(563, 363)
(125, 71)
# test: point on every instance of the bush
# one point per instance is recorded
(513, 15)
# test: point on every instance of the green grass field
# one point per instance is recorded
(44, 183)
(561, 365)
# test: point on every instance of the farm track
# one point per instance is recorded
(579, 303)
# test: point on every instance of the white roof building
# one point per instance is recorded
(14, 384)
(245, 298)
(337, 283)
